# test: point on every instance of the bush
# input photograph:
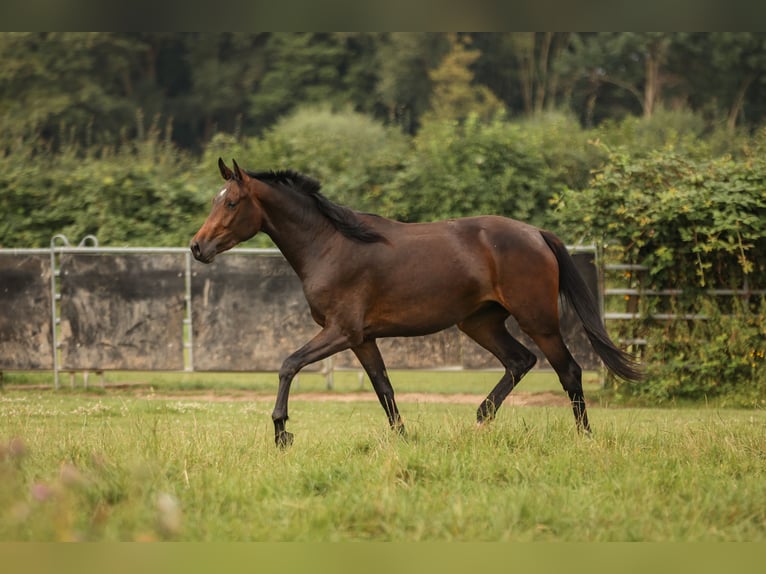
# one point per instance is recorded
(143, 193)
(722, 356)
(514, 169)
(351, 154)
(685, 131)
(695, 224)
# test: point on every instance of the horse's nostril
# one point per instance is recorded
(195, 249)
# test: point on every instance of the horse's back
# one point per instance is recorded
(463, 263)
(499, 231)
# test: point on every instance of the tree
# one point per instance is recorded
(725, 71)
(301, 68)
(85, 94)
(223, 69)
(455, 95)
(83, 88)
(404, 85)
(632, 62)
(536, 54)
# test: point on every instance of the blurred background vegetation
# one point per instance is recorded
(116, 134)
(650, 145)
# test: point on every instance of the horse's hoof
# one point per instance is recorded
(484, 422)
(284, 439)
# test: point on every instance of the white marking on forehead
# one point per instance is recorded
(222, 192)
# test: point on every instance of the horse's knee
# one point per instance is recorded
(288, 370)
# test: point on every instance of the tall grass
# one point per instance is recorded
(121, 467)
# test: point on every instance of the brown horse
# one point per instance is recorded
(367, 277)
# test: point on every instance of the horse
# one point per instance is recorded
(366, 277)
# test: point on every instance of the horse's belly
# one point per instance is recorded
(406, 329)
(418, 316)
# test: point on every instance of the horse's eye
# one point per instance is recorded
(231, 204)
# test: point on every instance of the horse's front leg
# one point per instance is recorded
(369, 355)
(327, 342)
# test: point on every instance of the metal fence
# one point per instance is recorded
(634, 276)
(90, 308)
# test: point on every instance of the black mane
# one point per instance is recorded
(345, 220)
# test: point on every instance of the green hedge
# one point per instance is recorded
(142, 194)
(501, 167)
(721, 357)
(696, 222)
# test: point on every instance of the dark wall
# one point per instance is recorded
(25, 312)
(127, 311)
(122, 311)
(249, 313)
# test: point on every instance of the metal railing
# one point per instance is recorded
(634, 294)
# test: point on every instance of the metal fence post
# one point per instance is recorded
(189, 338)
(55, 297)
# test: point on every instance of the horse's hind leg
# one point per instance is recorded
(569, 372)
(487, 328)
(369, 355)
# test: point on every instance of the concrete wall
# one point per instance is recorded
(26, 340)
(127, 310)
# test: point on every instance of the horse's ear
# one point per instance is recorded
(226, 173)
(239, 174)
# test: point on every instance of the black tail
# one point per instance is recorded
(576, 292)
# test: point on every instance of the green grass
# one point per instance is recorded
(120, 467)
(441, 382)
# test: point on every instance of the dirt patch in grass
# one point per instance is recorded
(532, 399)
(522, 399)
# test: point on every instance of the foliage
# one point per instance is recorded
(500, 167)
(40, 90)
(244, 82)
(630, 62)
(404, 60)
(681, 130)
(723, 355)
(455, 95)
(304, 69)
(695, 223)
(351, 154)
(524, 68)
(147, 192)
(137, 194)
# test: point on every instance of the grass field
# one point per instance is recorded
(121, 465)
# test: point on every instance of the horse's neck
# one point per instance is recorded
(296, 227)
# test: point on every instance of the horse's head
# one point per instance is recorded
(234, 217)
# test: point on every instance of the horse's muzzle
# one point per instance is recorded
(200, 254)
